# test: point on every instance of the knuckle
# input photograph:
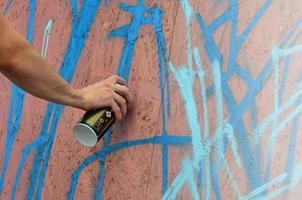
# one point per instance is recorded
(107, 84)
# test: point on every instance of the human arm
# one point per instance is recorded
(23, 65)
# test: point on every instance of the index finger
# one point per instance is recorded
(120, 80)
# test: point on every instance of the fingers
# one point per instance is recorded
(117, 79)
(124, 92)
(117, 111)
(121, 101)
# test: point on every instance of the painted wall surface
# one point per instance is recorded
(218, 88)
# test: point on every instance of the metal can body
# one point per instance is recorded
(93, 126)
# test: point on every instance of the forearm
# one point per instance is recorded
(30, 71)
(26, 68)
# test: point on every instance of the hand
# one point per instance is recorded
(111, 92)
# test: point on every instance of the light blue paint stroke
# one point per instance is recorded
(228, 129)
(220, 158)
(273, 136)
(266, 67)
(219, 111)
(185, 79)
(292, 145)
(191, 180)
(256, 87)
(274, 193)
(297, 175)
(178, 182)
(187, 175)
(16, 105)
(46, 36)
(286, 66)
(214, 53)
(260, 130)
(172, 140)
(206, 183)
(264, 187)
(277, 54)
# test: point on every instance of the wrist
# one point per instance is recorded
(77, 99)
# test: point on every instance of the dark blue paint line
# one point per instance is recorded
(37, 143)
(48, 118)
(171, 140)
(15, 113)
(233, 41)
(236, 121)
(242, 38)
(268, 66)
(47, 153)
(98, 195)
(162, 61)
(80, 30)
(99, 190)
(199, 174)
(165, 167)
(16, 104)
(129, 33)
(210, 44)
(74, 11)
(254, 121)
(156, 15)
(8, 6)
(215, 182)
(262, 77)
(244, 75)
(31, 20)
(219, 21)
(256, 87)
(253, 109)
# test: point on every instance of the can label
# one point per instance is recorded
(99, 120)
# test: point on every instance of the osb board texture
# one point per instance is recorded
(137, 172)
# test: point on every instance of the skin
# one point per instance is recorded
(23, 65)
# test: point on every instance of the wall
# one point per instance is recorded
(218, 101)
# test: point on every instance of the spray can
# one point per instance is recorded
(93, 126)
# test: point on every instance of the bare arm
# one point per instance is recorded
(26, 68)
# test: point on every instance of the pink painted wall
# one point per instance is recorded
(146, 157)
